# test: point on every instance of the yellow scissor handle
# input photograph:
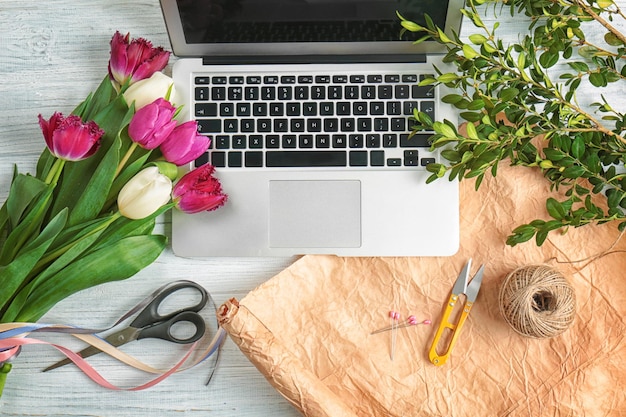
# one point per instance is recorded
(440, 358)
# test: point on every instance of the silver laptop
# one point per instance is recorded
(308, 103)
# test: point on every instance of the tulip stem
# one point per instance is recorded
(126, 157)
(55, 171)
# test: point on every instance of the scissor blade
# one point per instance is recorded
(115, 339)
(474, 286)
(85, 353)
(461, 282)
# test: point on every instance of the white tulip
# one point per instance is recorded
(145, 91)
(144, 194)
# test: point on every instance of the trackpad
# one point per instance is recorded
(315, 214)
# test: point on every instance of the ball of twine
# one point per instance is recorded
(537, 301)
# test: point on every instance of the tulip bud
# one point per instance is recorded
(152, 124)
(184, 144)
(144, 194)
(70, 139)
(134, 60)
(147, 90)
(199, 190)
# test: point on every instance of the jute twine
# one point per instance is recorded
(537, 301)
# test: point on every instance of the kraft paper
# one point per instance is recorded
(308, 328)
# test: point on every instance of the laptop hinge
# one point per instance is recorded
(314, 59)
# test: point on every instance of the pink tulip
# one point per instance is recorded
(184, 144)
(199, 190)
(134, 60)
(70, 139)
(152, 124)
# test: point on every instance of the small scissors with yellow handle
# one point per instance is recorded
(461, 288)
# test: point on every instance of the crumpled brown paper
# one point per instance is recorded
(308, 329)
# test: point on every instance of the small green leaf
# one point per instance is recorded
(575, 171)
(578, 147)
(507, 94)
(477, 39)
(444, 130)
(476, 104)
(451, 155)
(469, 52)
(444, 38)
(521, 61)
(467, 156)
(597, 79)
(612, 39)
(541, 237)
(452, 98)
(603, 4)
(555, 209)
(447, 77)
(412, 26)
(548, 59)
(471, 131)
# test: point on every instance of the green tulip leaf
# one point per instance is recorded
(93, 198)
(60, 258)
(96, 101)
(24, 190)
(132, 254)
(14, 273)
(28, 226)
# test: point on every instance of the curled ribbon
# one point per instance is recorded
(15, 335)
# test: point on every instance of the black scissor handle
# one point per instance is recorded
(150, 314)
(163, 330)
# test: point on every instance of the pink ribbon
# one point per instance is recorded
(15, 335)
(11, 345)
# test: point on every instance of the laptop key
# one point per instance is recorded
(428, 107)
(358, 158)
(235, 159)
(201, 160)
(426, 91)
(222, 142)
(218, 159)
(202, 93)
(415, 141)
(377, 158)
(411, 158)
(209, 125)
(227, 109)
(308, 158)
(254, 159)
(239, 141)
(206, 109)
(218, 93)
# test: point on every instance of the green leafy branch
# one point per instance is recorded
(520, 103)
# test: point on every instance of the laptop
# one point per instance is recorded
(308, 103)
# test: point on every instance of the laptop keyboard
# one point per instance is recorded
(359, 120)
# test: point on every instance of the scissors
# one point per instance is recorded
(470, 291)
(150, 324)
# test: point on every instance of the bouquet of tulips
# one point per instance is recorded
(109, 169)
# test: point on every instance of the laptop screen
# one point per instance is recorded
(266, 21)
(285, 28)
